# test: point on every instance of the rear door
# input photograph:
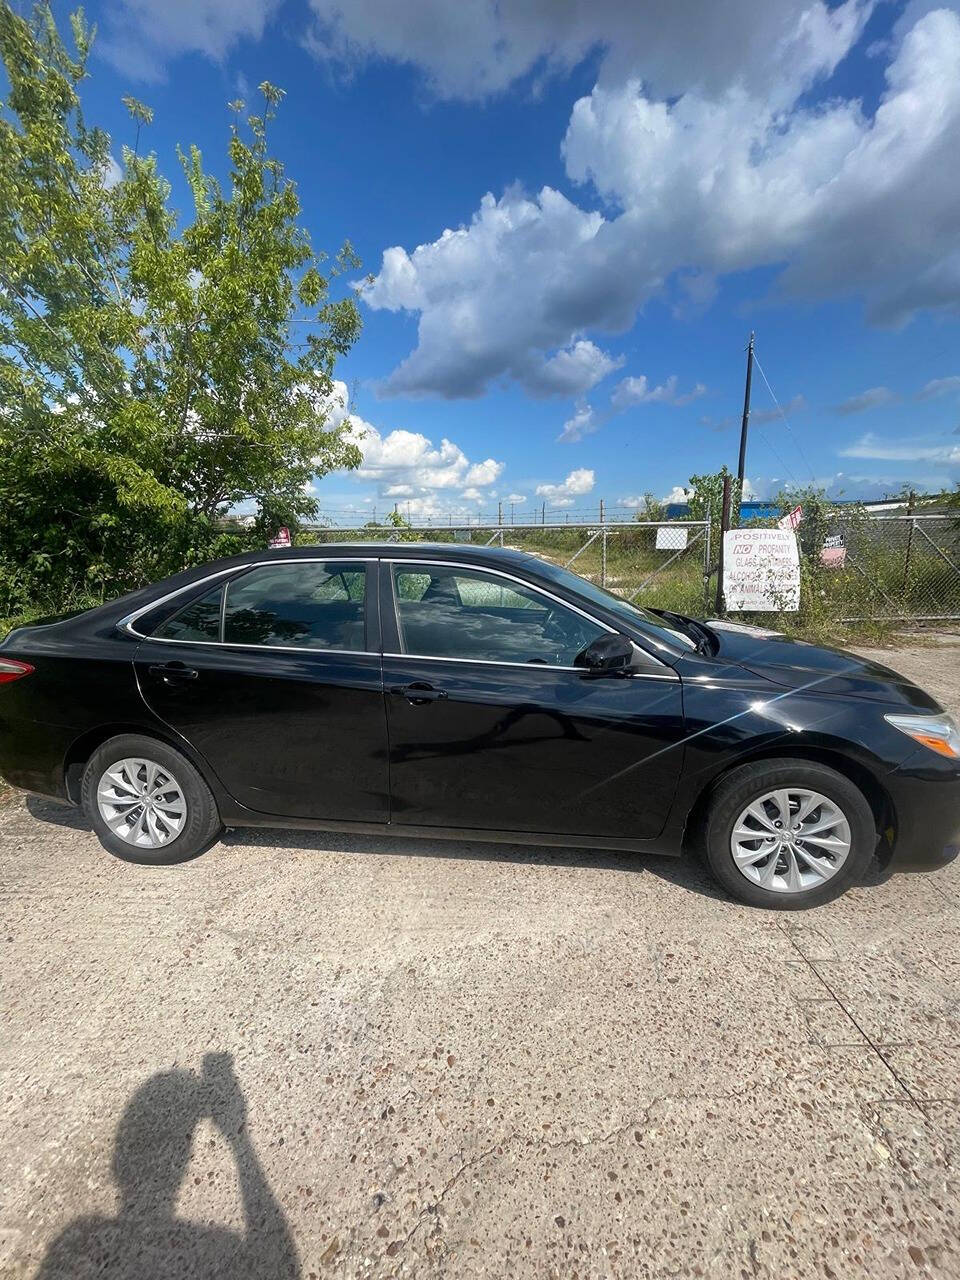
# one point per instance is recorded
(490, 724)
(274, 678)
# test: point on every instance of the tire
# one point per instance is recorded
(748, 785)
(183, 820)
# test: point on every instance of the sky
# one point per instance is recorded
(572, 213)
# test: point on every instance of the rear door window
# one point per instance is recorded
(309, 605)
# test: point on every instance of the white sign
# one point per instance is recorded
(671, 539)
(791, 519)
(761, 570)
(282, 539)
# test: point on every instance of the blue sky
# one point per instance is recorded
(575, 213)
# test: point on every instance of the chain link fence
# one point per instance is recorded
(661, 563)
(858, 567)
(890, 568)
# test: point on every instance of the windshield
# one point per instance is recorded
(632, 614)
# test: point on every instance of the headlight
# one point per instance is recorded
(940, 733)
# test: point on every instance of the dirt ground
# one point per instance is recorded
(307, 1055)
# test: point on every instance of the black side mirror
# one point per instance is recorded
(611, 655)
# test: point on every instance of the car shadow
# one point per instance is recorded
(152, 1149)
(686, 872)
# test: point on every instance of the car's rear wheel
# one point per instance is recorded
(147, 802)
(788, 834)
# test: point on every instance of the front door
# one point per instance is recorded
(491, 726)
(274, 679)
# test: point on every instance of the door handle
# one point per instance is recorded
(418, 693)
(173, 671)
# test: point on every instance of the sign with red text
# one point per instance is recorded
(791, 519)
(281, 538)
(761, 570)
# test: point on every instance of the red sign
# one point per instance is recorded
(282, 538)
(791, 519)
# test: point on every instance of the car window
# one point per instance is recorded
(199, 620)
(447, 612)
(310, 605)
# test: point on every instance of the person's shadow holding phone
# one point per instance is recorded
(151, 1153)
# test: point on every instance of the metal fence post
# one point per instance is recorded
(603, 559)
(724, 526)
(706, 559)
(904, 590)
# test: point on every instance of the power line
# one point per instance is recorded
(786, 421)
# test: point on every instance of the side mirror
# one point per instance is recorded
(610, 655)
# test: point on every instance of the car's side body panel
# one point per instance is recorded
(546, 754)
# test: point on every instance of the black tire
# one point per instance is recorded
(202, 824)
(739, 787)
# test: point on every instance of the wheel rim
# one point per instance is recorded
(790, 840)
(141, 802)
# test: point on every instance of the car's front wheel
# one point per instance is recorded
(147, 802)
(788, 834)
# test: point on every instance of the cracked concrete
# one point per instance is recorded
(310, 1056)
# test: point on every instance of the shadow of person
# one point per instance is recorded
(151, 1152)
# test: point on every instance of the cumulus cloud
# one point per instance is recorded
(408, 465)
(874, 398)
(872, 446)
(734, 172)
(631, 391)
(140, 36)
(795, 405)
(478, 48)
(577, 483)
(585, 422)
(939, 387)
(570, 372)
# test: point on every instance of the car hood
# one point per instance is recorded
(793, 664)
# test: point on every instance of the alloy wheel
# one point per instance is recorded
(790, 840)
(141, 802)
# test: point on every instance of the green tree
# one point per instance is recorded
(706, 500)
(154, 371)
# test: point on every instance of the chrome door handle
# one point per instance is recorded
(418, 693)
(173, 671)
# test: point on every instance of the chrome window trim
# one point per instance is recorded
(529, 666)
(497, 662)
(126, 623)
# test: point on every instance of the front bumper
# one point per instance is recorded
(925, 792)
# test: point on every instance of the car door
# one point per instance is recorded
(492, 727)
(273, 677)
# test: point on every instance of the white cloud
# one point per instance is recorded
(939, 387)
(112, 173)
(631, 391)
(407, 464)
(577, 483)
(476, 48)
(583, 423)
(570, 372)
(872, 446)
(795, 405)
(874, 398)
(735, 172)
(516, 498)
(677, 494)
(140, 36)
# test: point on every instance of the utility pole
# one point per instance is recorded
(543, 514)
(746, 414)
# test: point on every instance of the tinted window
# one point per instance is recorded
(199, 620)
(445, 612)
(313, 605)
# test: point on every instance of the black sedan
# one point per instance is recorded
(453, 691)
